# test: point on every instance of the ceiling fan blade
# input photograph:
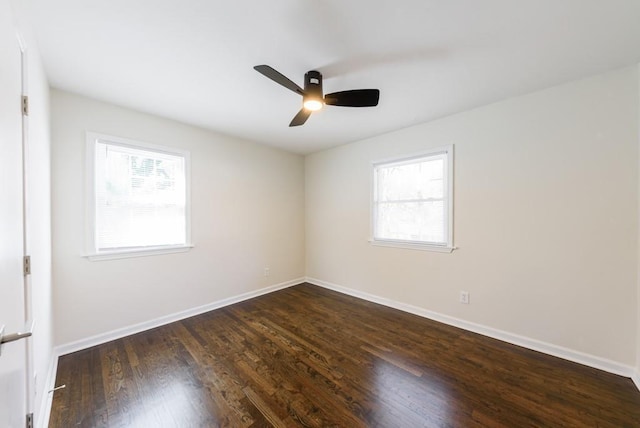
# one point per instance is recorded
(353, 98)
(278, 77)
(301, 117)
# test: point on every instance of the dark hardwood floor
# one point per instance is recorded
(306, 356)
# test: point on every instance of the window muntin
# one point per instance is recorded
(139, 196)
(412, 200)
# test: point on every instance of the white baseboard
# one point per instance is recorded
(47, 397)
(636, 378)
(167, 319)
(536, 345)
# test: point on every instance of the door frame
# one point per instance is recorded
(30, 387)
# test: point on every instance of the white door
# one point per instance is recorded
(12, 300)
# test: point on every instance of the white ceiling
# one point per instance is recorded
(192, 60)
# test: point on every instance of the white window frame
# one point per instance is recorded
(91, 251)
(445, 247)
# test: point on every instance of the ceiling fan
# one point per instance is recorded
(312, 98)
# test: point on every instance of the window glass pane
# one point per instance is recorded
(140, 198)
(423, 179)
(411, 200)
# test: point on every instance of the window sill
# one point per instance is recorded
(412, 246)
(138, 252)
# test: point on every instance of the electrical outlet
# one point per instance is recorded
(267, 271)
(464, 297)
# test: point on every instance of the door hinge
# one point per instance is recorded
(29, 420)
(26, 265)
(25, 105)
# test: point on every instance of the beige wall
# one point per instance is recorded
(247, 210)
(546, 218)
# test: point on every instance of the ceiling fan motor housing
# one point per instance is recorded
(313, 85)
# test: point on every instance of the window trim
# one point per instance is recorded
(91, 251)
(446, 247)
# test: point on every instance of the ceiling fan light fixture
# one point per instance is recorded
(312, 104)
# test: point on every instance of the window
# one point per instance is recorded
(412, 201)
(138, 198)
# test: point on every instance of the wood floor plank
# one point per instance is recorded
(307, 356)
